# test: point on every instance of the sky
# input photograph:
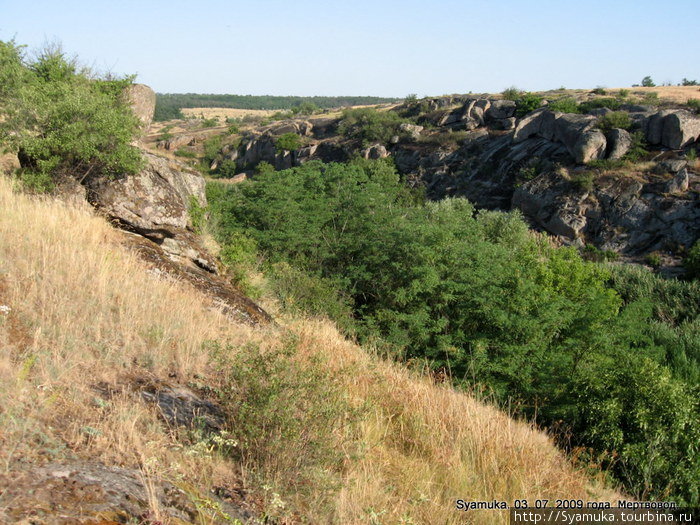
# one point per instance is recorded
(361, 47)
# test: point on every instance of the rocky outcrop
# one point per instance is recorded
(142, 100)
(589, 146)
(89, 492)
(158, 196)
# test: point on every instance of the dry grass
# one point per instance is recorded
(224, 113)
(680, 94)
(84, 310)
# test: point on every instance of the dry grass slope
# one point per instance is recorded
(83, 310)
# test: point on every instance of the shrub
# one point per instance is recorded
(606, 102)
(210, 122)
(616, 119)
(599, 91)
(527, 102)
(648, 82)
(512, 93)
(197, 214)
(686, 82)
(289, 416)
(623, 93)
(185, 153)
(653, 259)
(651, 98)
(62, 120)
(692, 262)
(694, 104)
(583, 181)
(564, 105)
(288, 142)
(370, 125)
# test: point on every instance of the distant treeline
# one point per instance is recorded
(168, 105)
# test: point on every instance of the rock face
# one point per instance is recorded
(160, 195)
(589, 146)
(88, 492)
(143, 102)
(619, 143)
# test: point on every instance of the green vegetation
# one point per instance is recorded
(369, 125)
(648, 82)
(62, 120)
(496, 308)
(694, 104)
(288, 142)
(692, 261)
(210, 122)
(169, 105)
(615, 119)
(687, 82)
(604, 102)
(526, 103)
(564, 105)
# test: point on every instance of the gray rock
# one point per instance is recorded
(500, 109)
(160, 195)
(655, 125)
(590, 146)
(180, 406)
(679, 183)
(412, 130)
(619, 143)
(680, 129)
(671, 165)
(531, 124)
(377, 151)
(177, 142)
(142, 100)
(504, 123)
(569, 129)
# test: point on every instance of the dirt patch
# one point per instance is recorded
(224, 113)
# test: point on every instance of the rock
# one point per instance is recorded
(654, 126)
(180, 406)
(177, 142)
(142, 100)
(89, 492)
(375, 152)
(500, 109)
(680, 129)
(504, 123)
(619, 143)
(679, 183)
(532, 123)
(569, 128)
(412, 130)
(160, 195)
(590, 146)
(672, 165)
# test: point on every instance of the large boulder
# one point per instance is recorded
(411, 130)
(680, 129)
(500, 109)
(159, 195)
(589, 146)
(142, 100)
(569, 128)
(375, 152)
(538, 122)
(619, 143)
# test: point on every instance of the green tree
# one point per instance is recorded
(61, 120)
(648, 82)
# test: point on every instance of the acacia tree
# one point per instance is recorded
(63, 120)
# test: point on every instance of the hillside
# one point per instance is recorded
(89, 331)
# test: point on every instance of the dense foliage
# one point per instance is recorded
(168, 105)
(495, 307)
(62, 120)
(370, 125)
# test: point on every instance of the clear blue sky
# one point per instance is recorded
(360, 47)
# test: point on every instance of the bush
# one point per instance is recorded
(527, 102)
(289, 416)
(185, 153)
(599, 91)
(583, 181)
(692, 262)
(197, 214)
(564, 105)
(370, 125)
(686, 82)
(210, 122)
(512, 93)
(648, 82)
(62, 120)
(616, 119)
(694, 104)
(288, 142)
(607, 102)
